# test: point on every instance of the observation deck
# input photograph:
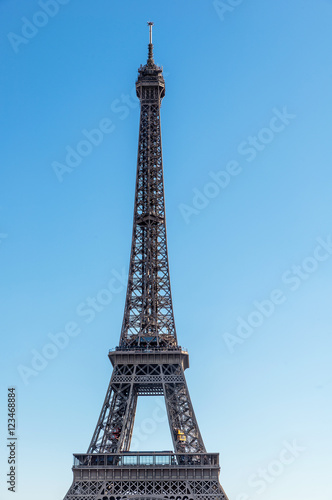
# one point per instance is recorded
(135, 468)
(149, 355)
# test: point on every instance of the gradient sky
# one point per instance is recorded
(229, 78)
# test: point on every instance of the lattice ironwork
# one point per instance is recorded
(146, 490)
(148, 360)
(148, 317)
(146, 477)
(115, 425)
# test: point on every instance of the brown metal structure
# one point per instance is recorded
(148, 360)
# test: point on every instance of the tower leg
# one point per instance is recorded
(182, 421)
(115, 424)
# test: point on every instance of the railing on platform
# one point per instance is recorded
(148, 349)
(145, 459)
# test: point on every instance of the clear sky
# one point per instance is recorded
(247, 130)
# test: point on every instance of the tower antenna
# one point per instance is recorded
(150, 24)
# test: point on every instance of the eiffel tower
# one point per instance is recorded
(148, 360)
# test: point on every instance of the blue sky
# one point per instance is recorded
(248, 100)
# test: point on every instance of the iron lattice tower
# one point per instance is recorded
(148, 360)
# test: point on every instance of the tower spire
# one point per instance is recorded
(148, 317)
